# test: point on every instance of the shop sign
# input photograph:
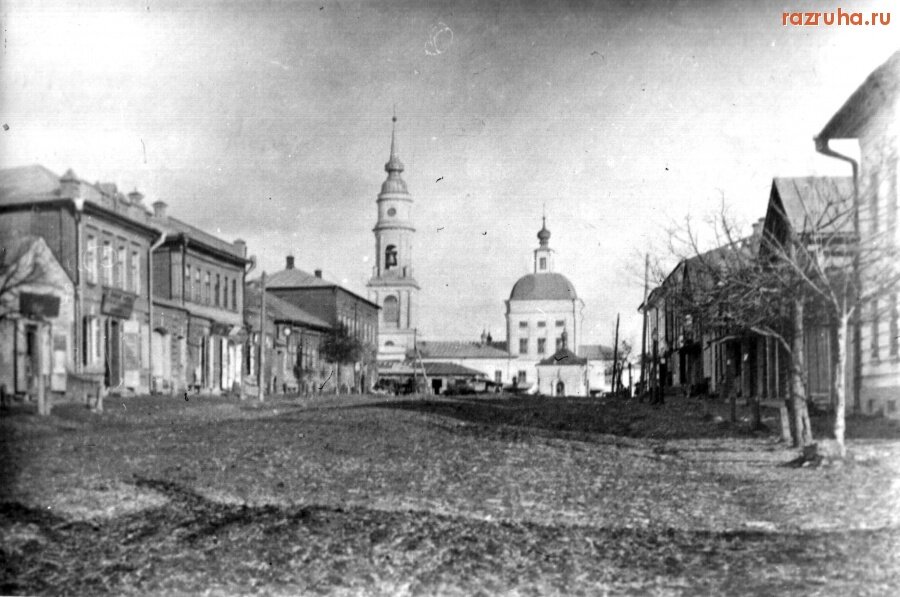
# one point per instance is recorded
(117, 303)
(38, 306)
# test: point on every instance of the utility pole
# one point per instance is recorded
(615, 378)
(262, 338)
(644, 328)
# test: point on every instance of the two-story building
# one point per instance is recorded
(198, 299)
(102, 239)
(341, 309)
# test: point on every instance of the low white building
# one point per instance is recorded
(496, 364)
(563, 374)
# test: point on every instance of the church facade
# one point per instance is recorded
(543, 314)
(392, 285)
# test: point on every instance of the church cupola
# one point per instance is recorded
(543, 255)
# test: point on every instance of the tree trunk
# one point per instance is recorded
(840, 384)
(802, 427)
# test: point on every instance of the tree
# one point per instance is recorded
(341, 348)
(19, 269)
(821, 257)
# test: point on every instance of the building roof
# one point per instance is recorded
(450, 370)
(542, 287)
(595, 352)
(459, 350)
(816, 203)
(877, 97)
(175, 226)
(27, 183)
(564, 358)
(295, 278)
(280, 310)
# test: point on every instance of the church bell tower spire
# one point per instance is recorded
(392, 285)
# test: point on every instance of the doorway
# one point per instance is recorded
(560, 388)
(113, 368)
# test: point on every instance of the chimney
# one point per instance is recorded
(289, 262)
(159, 209)
(136, 197)
(69, 185)
(241, 246)
(318, 273)
(758, 226)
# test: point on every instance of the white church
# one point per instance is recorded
(543, 316)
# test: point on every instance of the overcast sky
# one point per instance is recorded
(270, 121)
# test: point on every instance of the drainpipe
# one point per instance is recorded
(153, 247)
(823, 148)
(78, 202)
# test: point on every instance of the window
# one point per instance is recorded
(197, 288)
(523, 376)
(119, 271)
(106, 263)
(187, 292)
(875, 330)
(91, 338)
(542, 345)
(891, 406)
(543, 262)
(498, 376)
(560, 323)
(208, 288)
(225, 294)
(217, 291)
(390, 257)
(523, 324)
(523, 345)
(90, 259)
(542, 324)
(233, 295)
(136, 272)
(391, 311)
(894, 331)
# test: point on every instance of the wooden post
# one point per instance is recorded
(43, 408)
(615, 385)
(643, 380)
(262, 339)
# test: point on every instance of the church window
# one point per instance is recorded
(523, 376)
(560, 323)
(523, 324)
(392, 212)
(543, 263)
(389, 343)
(523, 345)
(542, 324)
(391, 311)
(542, 345)
(390, 257)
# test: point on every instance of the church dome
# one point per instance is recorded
(543, 287)
(393, 184)
(543, 234)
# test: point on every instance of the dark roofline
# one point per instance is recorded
(190, 241)
(326, 286)
(844, 124)
(89, 207)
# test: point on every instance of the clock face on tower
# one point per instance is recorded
(392, 212)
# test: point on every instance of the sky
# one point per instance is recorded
(271, 122)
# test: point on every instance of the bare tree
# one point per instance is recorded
(19, 269)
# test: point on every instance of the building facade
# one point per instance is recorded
(871, 116)
(102, 238)
(340, 309)
(198, 299)
(393, 286)
(542, 307)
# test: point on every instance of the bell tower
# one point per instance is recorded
(543, 255)
(392, 285)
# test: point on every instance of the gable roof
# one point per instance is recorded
(818, 204)
(175, 226)
(459, 350)
(563, 358)
(28, 183)
(877, 98)
(295, 278)
(280, 310)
